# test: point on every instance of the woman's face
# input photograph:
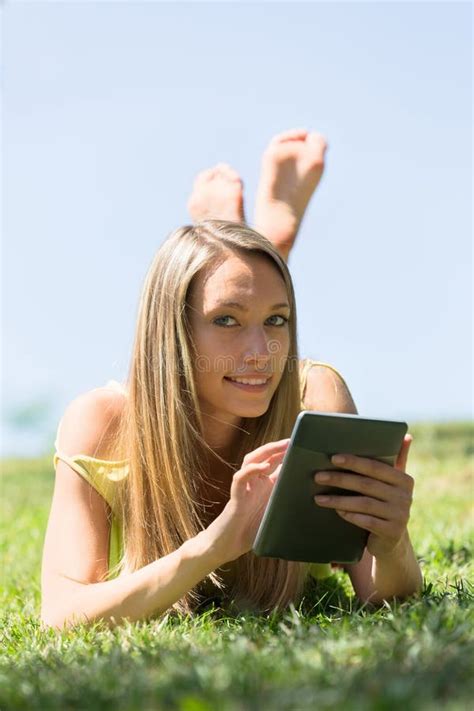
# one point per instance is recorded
(238, 311)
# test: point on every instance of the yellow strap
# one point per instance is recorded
(77, 466)
(95, 473)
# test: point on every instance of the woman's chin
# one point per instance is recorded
(247, 403)
(254, 409)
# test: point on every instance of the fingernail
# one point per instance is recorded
(338, 459)
(321, 476)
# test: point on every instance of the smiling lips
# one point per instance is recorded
(255, 383)
(249, 381)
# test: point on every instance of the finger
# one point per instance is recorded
(269, 465)
(402, 458)
(253, 469)
(277, 456)
(274, 476)
(369, 523)
(357, 482)
(375, 469)
(266, 450)
(356, 504)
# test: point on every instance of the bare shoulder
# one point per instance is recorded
(90, 423)
(327, 391)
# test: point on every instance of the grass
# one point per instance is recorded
(336, 653)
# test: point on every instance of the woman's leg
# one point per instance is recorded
(292, 166)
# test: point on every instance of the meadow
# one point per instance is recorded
(333, 652)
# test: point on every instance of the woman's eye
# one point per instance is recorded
(219, 318)
(283, 320)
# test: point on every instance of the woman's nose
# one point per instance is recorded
(258, 345)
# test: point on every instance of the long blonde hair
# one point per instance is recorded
(161, 430)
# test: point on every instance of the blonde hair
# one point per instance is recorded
(161, 431)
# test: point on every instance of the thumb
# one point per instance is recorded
(274, 475)
(402, 458)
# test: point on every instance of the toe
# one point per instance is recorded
(220, 170)
(294, 134)
(316, 141)
(228, 172)
(315, 151)
(204, 176)
(233, 175)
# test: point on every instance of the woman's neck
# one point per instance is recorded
(220, 434)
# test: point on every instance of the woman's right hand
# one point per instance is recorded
(234, 530)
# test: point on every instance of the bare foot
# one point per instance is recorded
(292, 166)
(217, 194)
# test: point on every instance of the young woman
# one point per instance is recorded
(176, 467)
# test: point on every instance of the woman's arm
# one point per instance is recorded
(383, 578)
(151, 590)
(77, 539)
(394, 571)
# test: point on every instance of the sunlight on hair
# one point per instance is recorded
(161, 433)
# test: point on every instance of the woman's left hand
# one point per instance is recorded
(384, 507)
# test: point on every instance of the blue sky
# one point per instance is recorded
(109, 111)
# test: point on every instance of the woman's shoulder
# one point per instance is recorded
(90, 423)
(85, 441)
(321, 368)
(325, 387)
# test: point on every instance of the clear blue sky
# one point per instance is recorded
(109, 111)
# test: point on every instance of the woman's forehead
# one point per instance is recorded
(240, 279)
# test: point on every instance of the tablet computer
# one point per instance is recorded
(293, 526)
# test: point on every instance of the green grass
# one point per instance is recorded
(330, 653)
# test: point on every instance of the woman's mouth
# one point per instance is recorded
(253, 385)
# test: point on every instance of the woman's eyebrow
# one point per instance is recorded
(236, 305)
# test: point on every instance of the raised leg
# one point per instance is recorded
(292, 166)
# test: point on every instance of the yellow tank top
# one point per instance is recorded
(103, 476)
